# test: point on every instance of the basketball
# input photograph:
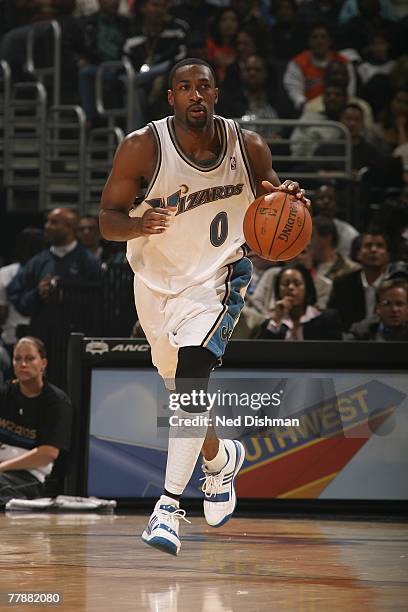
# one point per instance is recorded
(277, 230)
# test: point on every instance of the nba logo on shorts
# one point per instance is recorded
(233, 160)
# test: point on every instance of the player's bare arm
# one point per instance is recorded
(134, 159)
(267, 181)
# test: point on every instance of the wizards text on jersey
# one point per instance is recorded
(198, 198)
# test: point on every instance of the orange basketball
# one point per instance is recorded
(278, 230)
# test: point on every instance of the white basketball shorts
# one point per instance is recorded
(200, 315)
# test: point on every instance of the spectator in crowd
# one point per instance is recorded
(14, 43)
(325, 203)
(252, 96)
(392, 217)
(42, 10)
(359, 30)
(90, 237)
(41, 414)
(375, 71)
(337, 73)
(157, 42)
(304, 76)
(320, 11)
(288, 37)
(247, 45)
(353, 294)
(305, 139)
(252, 14)
(390, 133)
(295, 315)
(28, 243)
(390, 321)
(32, 288)
(378, 169)
(197, 14)
(83, 8)
(221, 42)
(103, 37)
(260, 303)
(327, 260)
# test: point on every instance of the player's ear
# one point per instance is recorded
(216, 95)
(170, 97)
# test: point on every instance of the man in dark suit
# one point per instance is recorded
(353, 295)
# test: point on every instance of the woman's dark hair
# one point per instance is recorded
(258, 38)
(39, 345)
(310, 289)
(214, 24)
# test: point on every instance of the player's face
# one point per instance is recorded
(193, 96)
(373, 251)
(292, 285)
(27, 362)
(392, 307)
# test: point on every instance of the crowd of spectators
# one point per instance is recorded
(311, 60)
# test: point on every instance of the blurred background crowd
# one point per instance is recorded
(325, 83)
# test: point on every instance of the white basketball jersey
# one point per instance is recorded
(206, 232)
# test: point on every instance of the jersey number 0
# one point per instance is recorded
(219, 229)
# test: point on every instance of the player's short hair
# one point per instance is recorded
(190, 61)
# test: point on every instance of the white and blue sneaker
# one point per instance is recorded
(162, 528)
(220, 499)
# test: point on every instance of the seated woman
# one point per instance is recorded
(35, 424)
(295, 316)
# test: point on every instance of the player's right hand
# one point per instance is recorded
(156, 220)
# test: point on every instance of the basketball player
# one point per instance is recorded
(185, 245)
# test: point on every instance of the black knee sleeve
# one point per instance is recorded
(195, 364)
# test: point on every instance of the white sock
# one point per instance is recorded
(185, 443)
(168, 501)
(220, 459)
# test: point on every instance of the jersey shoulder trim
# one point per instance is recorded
(157, 158)
(222, 134)
(245, 157)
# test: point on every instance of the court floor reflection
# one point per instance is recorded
(100, 564)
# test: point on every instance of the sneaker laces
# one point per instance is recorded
(212, 484)
(173, 516)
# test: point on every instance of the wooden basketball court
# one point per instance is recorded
(99, 563)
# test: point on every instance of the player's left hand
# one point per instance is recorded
(291, 187)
